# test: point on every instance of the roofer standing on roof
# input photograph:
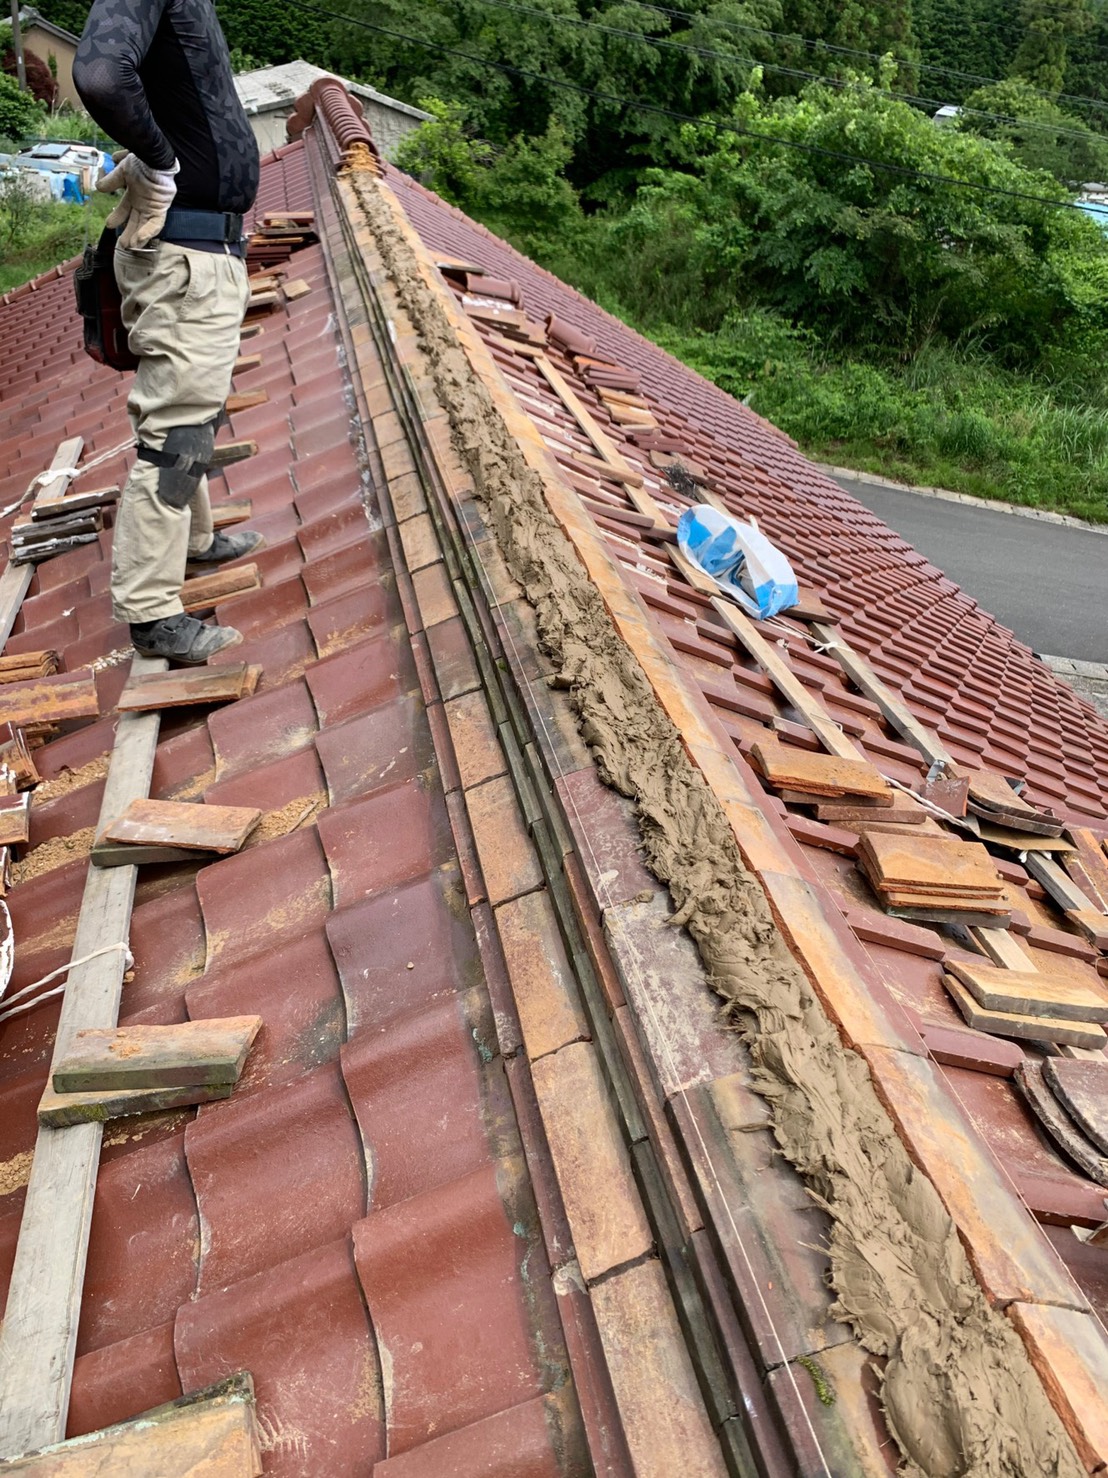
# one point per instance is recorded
(156, 75)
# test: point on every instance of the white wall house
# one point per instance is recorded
(270, 93)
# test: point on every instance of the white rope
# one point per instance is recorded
(73, 473)
(28, 990)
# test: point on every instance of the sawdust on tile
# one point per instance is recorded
(55, 852)
(958, 1389)
(287, 818)
(16, 1172)
(69, 780)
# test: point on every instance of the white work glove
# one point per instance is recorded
(147, 195)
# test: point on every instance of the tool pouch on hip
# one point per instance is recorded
(101, 307)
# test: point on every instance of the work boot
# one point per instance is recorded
(225, 547)
(182, 639)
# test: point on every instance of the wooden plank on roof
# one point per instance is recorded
(896, 714)
(245, 400)
(1067, 896)
(787, 683)
(39, 1334)
(16, 579)
(181, 1055)
(59, 1110)
(605, 448)
(186, 824)
(1003, 948)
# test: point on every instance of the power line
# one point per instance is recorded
(656, 109)
(668, 44)
(871, 56)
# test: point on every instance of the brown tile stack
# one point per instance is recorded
(933, 878)
(1031, 1005)
(993, 800)
(806, 779)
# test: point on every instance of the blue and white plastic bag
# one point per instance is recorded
(740, 559)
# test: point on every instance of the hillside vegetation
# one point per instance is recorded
(759, 185)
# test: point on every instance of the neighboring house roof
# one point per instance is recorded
(276, 88)
(29, 18)
(495, 1133)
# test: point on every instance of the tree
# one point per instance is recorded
(1036, 131)
(41, 82)
(271, 33)
(18, 110)
(1049, 26)
(69, 14)
(869, 257)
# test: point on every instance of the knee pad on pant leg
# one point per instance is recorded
(181, 462)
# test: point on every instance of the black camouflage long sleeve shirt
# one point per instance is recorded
(156, 76)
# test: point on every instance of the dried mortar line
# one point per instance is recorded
(959, 1392)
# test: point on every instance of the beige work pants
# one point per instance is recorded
(183, 313)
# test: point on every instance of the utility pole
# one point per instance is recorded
(17, 46)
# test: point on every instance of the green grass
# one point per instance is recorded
(53, 234)
(945, 419)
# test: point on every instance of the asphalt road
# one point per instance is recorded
(1047, 581)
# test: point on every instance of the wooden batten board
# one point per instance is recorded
(895, 713)
(232, 451)
(186, 1054)
(183, 688)
(1094, 862)
(39, 1334)
(1067, 896)
(1004, 949)
(787, 683)
(186, 824)
(112, 854)
(245, 400)
(59, 1110)
(297, 288)
(605, 448)
(16, 579)
(1023, 1028)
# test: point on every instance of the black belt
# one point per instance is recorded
(202, 225)
(158, 458)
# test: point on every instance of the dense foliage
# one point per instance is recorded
(18, 110)
(41, 82)
(801, 240)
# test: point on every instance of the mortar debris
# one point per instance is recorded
(958, 1390)
(55, 852)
